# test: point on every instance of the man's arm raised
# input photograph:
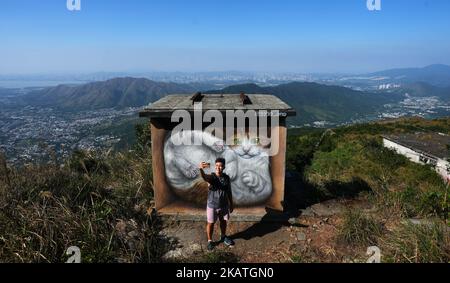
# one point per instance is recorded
(206, 177)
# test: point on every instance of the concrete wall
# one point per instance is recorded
(409, 153)
(441, 166)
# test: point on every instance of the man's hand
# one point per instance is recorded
(204, 165)
(206, 177)
(231, 208)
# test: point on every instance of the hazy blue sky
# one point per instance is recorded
(42, 36)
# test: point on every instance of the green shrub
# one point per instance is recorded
(219, 256)
(300, 151)
(414, 202)
(358, 229)
(297, 258)
(423, 243)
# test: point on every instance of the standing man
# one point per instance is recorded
(220, 201)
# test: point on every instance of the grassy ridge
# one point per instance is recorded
(102, 201)
(99, 201)
(355, 155)
(350, 161)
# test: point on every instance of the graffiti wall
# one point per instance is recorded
(247, 164)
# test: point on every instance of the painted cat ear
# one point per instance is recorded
(264, 142)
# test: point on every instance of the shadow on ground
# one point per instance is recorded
(300, 194)
(271, 222)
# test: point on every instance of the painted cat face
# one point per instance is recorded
(247, 148)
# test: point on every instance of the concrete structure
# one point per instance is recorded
(423, 148)
(257, 179)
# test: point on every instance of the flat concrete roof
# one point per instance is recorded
(433, 144)
(222, 102)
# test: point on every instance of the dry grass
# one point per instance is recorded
(412, 243)
(100, 202)
(359, 229)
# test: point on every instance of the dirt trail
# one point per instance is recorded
(310, 237)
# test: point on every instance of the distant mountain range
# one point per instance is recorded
(438, 75)
(422, 89)
(118, 93)
(313, 101)
(316, 102)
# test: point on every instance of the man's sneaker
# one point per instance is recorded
(227, 241)
(210, 246)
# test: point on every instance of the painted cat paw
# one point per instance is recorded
(218, 146)
(192, 172)
(231, 170)
(251, 179)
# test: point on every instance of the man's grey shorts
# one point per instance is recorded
(212, 214)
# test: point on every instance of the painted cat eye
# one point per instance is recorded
(255, 141)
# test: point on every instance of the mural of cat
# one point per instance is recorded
(247, 164)
(252, 183)
(181, 160)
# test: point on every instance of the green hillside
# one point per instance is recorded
(118, 93)
(353, 157)
(103, 201)
(437, 74)
(422, 89)
(316, 102)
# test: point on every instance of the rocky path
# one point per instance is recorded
(310, 237)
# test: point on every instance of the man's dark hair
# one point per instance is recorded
(221, 160)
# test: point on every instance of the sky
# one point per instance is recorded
(315, 36)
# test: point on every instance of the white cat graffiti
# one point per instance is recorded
(247, 164)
